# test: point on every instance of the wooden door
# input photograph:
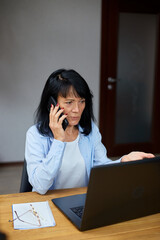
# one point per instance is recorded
(130, 76)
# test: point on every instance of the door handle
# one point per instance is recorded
(112, 80)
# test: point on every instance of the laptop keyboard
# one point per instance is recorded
(78, 211)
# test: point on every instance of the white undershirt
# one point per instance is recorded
(72, 172)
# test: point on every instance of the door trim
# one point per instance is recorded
(108, 68)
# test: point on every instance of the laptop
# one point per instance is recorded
(116, 192)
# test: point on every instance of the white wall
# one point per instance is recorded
(36, 38)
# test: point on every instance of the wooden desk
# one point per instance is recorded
(142, 228)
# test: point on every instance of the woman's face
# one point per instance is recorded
(73, 107)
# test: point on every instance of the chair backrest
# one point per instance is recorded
(25, 185)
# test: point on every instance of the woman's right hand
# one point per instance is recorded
(55, 123)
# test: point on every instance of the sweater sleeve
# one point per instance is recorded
(100, 152)
(43, 159)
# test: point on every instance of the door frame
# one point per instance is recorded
(108, 68)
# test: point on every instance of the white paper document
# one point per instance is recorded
(32, 215)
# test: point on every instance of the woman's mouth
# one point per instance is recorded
(74, 118)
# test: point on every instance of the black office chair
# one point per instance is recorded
(25, 185)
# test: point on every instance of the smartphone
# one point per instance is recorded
(53, 101)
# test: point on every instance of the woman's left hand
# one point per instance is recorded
(136, 156)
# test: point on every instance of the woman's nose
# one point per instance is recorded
(76, 107)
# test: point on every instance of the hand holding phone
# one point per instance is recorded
(53, 101)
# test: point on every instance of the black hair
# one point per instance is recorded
(59, 83)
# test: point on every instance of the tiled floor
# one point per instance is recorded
(10, 178)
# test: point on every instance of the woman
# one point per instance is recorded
(62, 157)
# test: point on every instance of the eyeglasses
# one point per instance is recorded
(32, 210)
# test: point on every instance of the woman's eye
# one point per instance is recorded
(82, 101)
(68, 102)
